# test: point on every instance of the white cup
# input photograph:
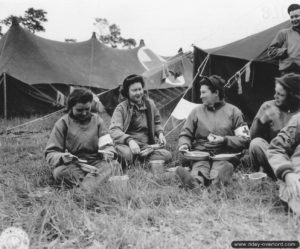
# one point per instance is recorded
(157, 166)
(119, 183)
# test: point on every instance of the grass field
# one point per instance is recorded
(154, 212)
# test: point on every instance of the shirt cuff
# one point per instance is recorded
(284, 173)
(127, 140)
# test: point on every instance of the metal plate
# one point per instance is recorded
(257, 175)
(173, 169)
(196, 155)
(146, 152)
(224, 157)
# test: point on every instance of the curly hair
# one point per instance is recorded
(79, 95)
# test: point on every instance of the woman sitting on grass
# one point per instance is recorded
(214, 127)
(74, 143)
(271, 117)
(136, 123)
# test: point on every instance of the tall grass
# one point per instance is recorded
(152, 212)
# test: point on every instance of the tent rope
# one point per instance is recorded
(182, 121)
(33, 121)
(1, 80)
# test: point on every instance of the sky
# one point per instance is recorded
(164, 25)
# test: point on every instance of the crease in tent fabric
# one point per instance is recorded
(2, 49)
(91, 61)
(43, 94)
(36, 89)
(4, 44)
(60, 97)
(48, 99)
(200, 70)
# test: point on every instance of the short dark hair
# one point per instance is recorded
(128, 81)
(79, 95)
(291, 84)
(293, 7)
(214, 83)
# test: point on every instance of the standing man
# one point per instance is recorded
(286, 45)
(136, 123)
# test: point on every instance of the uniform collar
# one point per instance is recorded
(87, 120)
(141, 106)
(216, 106)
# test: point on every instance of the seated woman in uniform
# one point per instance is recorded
(214, 127)
(73, 146)
(136, 123)
(271, 117)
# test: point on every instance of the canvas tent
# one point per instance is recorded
(248, 56)
(36, 72)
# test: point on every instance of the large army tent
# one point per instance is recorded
(246, 64)
(35, 73)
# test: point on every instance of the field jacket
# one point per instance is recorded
(121, 118)
(270, 129)
(81, 140)
(286, 48)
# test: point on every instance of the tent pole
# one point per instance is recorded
(5, 96)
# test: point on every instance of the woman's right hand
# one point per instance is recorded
(135, 148)
(272, 113)
(68, 157)
(183, 148)
(293, 185)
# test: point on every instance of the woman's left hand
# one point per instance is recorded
(162, 139)
(215, 141)
(108, 155)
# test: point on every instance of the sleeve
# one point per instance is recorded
(277, 48)
(187, 133)
(282, 147)
(56, 144)
(157, 121)
(116, 128)
(105, 141)
(241, 137)
(258, 129)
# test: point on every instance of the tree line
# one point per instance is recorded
(33, 20)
